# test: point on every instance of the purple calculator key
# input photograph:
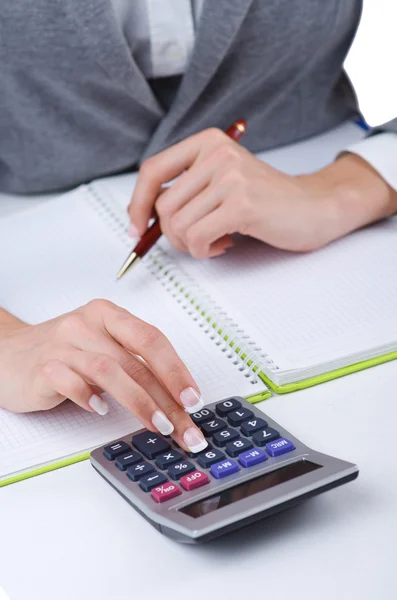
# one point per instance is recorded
(280, 446)
(252, 457)
(224, 469)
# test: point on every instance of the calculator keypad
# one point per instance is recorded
(232, 431)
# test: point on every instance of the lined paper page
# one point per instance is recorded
(73, 257)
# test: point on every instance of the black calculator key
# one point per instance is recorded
(241, 445)
(165, 460)
(126, 460)
(254, 424)
(149, 482)
(136, 472)
(225, 407)
(238, 416)
(182, 468)
(261, 438)
(211, 427)
(210, 457)
(195, 454)
(223, 437)
(150, 444)
(115, 450)
(202, 416)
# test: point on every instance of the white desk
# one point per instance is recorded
(68, 536)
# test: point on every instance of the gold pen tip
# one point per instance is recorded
(131, 260)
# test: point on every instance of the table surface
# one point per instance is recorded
(68, 534)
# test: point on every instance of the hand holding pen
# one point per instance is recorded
(153, 233)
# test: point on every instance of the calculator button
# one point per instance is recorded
(238, 416)
(281, 446)
(203, 415)
(115, 450)
(148, 482)
(238, 446)
(223, 437)
(211, 427)
(224, 469)
(176, 471)
(165, 492)
(150, 444)
(208, 458)
(194, 480)
(255, 424)
(136, 472)
(260, 438)
(225, 407)
(126, 460)
(195, 454)
(165, 460)
(252, 457)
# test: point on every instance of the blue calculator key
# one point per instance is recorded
(182, 468)
(252, 457)
(223, 437)
(114, 450)
(238, 416)
(149, 482)
(210, 457)
(126, 460)
(280, 446)
(150, 444)
(260, 438)
(202, 416)
(195, 454)
(165, 460)
(212, 426)
(225, 407)
(224, 469)
(241, 445)
(136, 472)
(254, 424)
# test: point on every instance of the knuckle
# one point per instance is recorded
(196, 244)
(215, 134)
(175, 413)
(71, 324)
(99, 305)
(149, 336)
(177, 226)
(102, 364)
(147, 167)
(77, 389)
(228, 153)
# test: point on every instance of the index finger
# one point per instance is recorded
(149, 343)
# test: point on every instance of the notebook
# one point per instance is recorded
(254, 319)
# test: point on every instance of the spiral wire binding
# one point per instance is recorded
(245, 354)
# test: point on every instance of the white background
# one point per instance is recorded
(372, 61)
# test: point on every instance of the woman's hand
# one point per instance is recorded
(96, 346)
(223, 189)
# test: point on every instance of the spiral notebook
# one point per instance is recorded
(252, 319)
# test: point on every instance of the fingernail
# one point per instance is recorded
(161, 423)
(191, 400)
(194, 440)
(99, 405)
(132, 231)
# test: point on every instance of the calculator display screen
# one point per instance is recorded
(248, 488)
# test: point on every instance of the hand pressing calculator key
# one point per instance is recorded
(251, 469)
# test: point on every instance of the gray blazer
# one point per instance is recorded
(74, 105)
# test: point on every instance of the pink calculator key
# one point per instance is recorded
(165, 492)
(194, 480)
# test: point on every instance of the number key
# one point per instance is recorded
(206, 459)
(225, 407)
(203, 415)
(255, 424)
(227, 435)
(241, 445)
(238, 416)
(261, 438)
(211, 427)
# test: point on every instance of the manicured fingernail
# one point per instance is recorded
(99, 405)
(194, 440)
(191, 400)
(161, 423)
(132, 231)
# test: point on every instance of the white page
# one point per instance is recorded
(62, 255)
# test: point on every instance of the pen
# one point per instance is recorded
(153, 233)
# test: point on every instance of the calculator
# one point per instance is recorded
(251, 469)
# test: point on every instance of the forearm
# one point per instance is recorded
(8, 321)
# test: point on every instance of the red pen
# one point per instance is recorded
(150, 237)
